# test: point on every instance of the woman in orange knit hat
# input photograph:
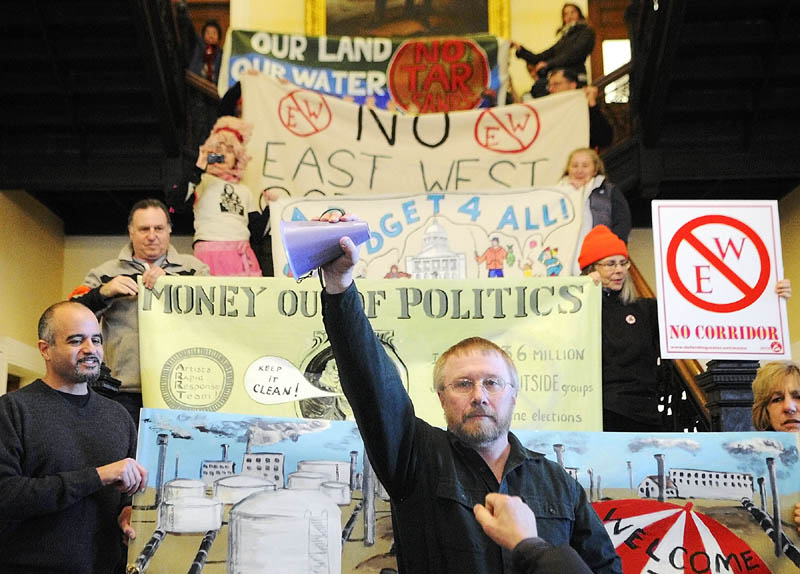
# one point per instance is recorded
(631, 365)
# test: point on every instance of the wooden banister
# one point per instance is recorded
(688, 369)
(620, 72)
(202, 85)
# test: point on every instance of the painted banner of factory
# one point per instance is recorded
(247, 494)
(258, 345)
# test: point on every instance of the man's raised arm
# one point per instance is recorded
(369, 378)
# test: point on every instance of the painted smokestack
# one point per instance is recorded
(368, 492)
(662, 478)
(763, 494)
(599, 488)
(353, 469)
(161, 441)
(591, 483)
(224, 452)
(177, 460)
(630, 475)
(559, 448)
(776, 505)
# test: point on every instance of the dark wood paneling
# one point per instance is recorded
(607, 17)
(202, 10)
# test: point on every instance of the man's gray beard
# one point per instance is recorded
(482, 437)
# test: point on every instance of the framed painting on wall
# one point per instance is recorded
(407, 17)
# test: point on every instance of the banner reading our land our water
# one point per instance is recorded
(307, 143)
(258, 346)
(455, 235)
(420, 75)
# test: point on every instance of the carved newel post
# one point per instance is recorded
(728, 388)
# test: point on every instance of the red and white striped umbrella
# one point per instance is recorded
(662, 538)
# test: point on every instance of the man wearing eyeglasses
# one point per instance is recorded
(435, 477)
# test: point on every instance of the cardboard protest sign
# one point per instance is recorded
(717, 263)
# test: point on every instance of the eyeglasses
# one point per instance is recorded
(466, 386)
(625, 264)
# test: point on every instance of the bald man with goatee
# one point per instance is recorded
(67, 466)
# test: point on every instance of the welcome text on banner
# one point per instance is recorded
(257, 345)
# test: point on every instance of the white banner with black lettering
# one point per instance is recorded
(307, 143)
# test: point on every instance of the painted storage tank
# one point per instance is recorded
(188, 515)
(305, 480)
(183, 487)
(285, 532)
(232, 489)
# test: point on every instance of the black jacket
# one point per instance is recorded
(631, 374)
(570, 51)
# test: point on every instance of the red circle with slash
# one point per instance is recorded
(750, 294)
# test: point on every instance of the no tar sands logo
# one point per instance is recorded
(197, 378)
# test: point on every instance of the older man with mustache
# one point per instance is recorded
(436, 477)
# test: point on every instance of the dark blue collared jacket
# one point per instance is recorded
(434, 480)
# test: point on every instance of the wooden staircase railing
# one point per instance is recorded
(685, 371)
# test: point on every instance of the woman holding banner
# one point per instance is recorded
(604, 203)
(631, 356)
(575, 43)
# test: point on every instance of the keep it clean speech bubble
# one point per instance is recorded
(274, 380)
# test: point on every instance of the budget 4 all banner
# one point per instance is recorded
(306, 143)
(258, 345)
(526, 233)
(421, 75)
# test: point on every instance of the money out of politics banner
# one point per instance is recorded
(307, 143)
(418, 75)
(717, 263)
(258, 345)
(455, 235)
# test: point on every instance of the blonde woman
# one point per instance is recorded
(776, 402)
(776, 397)
(604, 203)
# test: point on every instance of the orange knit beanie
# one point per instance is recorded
(600, 243)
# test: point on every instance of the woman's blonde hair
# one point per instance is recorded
(600, 168)
(627, 294)
(767, 380)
